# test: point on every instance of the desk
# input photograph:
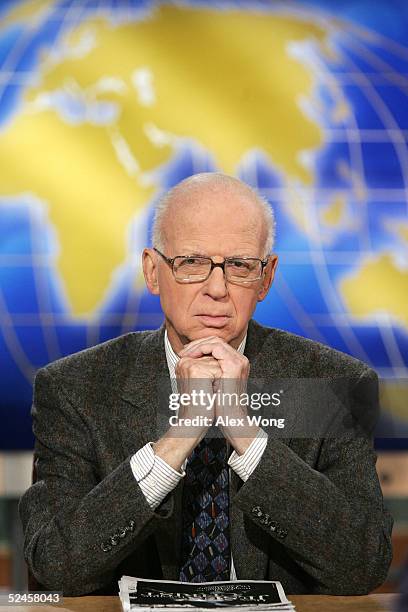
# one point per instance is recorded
(303, 603)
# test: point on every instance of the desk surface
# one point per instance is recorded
(303, 603)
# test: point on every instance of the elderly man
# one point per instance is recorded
(117, 494)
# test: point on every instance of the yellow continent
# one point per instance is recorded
(223, 79)
(333, 215)
(377, 286)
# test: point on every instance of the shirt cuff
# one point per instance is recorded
(154, 476)
(244, 464)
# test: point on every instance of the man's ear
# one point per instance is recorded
(150, 271)
(268, 277)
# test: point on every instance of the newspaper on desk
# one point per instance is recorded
(238, 595)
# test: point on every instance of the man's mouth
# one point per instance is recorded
(214, 320)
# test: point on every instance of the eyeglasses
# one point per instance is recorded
(195, 268)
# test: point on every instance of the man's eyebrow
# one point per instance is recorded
(233, 256)
(186, 252)
(239, 255)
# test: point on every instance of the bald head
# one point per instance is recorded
(208, 196)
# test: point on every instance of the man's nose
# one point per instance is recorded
(216, 285)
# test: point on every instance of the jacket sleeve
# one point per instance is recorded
(77, 527)
(330, 518)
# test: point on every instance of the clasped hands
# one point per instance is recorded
(215, 367)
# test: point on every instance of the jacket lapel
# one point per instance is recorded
(141, 389)
(249, 545)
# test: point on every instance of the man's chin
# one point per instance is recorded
(226, 333)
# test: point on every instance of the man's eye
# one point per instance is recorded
(237, 263)
(191, 261)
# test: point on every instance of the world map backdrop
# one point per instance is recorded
(106, 104)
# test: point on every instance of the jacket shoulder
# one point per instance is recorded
(98, 366)
(305, 357)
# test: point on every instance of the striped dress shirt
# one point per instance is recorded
(157, 478)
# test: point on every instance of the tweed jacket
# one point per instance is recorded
(310, 515)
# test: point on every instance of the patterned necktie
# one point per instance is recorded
(205, 552)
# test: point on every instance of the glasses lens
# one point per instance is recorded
(190, 269)
(243, 269)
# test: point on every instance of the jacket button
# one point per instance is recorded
(282, 533)
(132, 525)
(106, 547)
(257, 511)
(272, 526)
(122, 532)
